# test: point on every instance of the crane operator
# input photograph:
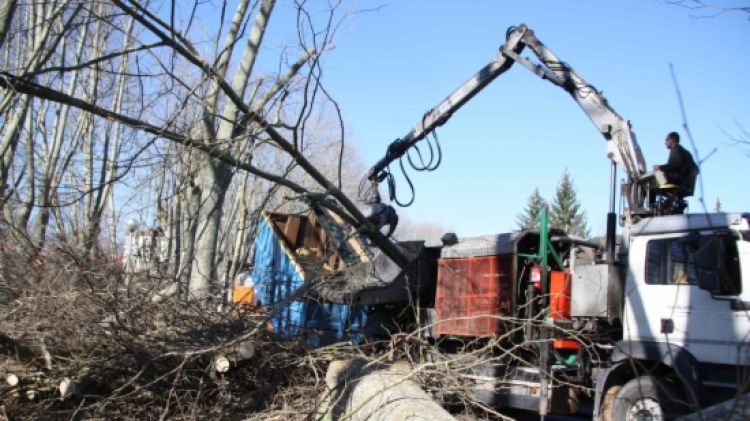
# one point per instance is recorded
(679, 166)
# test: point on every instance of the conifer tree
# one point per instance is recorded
(530, 217)
(566, 212)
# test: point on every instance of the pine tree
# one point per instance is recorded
(534, 205)
(566, 212)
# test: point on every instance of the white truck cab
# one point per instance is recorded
(686, 312)
(688, 284)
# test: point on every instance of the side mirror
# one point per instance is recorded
(708, 281)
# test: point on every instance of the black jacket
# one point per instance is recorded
(678, 166)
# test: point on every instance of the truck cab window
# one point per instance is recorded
(671, 261)
(685, 260)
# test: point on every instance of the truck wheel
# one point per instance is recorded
(608, 402)
(643, 398)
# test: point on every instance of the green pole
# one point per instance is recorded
(544, 346)
(543, 247)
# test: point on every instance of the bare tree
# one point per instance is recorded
(157, 83)
(28, 125)
(705, 9)
(7, 8)
(741, 137)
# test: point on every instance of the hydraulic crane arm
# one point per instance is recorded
(437, 116)
(622, 147)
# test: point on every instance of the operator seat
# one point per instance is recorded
(670, 198)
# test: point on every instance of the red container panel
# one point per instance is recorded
(471, 293)
(560, 287)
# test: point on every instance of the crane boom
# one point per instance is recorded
(438, 115)
(622, 146)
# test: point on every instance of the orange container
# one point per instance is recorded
(243, 295)
(559, 307)
(559, 290)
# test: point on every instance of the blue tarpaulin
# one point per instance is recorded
(278, 278)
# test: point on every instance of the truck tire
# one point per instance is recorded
(608, 402)
(642, 398)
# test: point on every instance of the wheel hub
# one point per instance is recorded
(645, 409)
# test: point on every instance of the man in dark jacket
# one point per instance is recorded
(679, 167)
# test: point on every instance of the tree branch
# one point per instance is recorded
(95, 60)
(14, 83)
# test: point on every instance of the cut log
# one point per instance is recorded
(12, 380)
(221, 364)
(232, 356)
(385, 393)
(68, 387)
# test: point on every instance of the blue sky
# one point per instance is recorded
(391, 65)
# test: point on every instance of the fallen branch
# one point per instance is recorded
(19, 351)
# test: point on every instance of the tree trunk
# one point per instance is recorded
(214, 177)
(173, 231)
(7, 8)
(212, 181)
(239, 234)
(362, 393)
(107, 171)
(186, 223)
(56, 159)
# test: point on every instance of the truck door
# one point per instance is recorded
(689, 291)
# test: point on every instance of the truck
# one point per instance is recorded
(648, 323)
(667, 303)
